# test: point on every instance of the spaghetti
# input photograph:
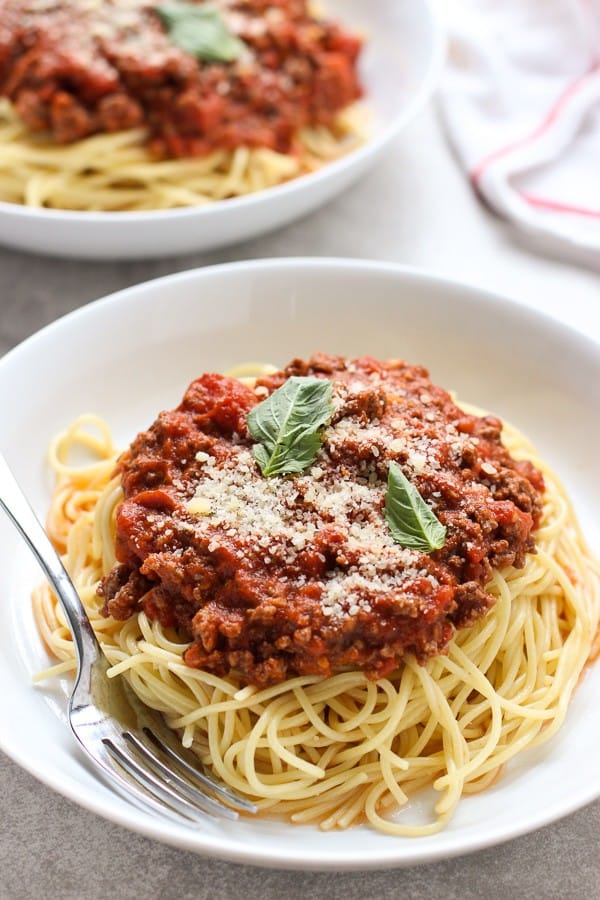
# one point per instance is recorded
(338, 750)
(116, 172)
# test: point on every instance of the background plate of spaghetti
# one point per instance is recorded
(530, 649)
(130, 129)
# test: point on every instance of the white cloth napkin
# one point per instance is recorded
(521, 103)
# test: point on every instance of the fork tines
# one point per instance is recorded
(183, 791)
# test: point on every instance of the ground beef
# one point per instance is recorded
(76, 68)
(271, 577)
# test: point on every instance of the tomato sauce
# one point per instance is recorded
(73, 69)
(299, 574)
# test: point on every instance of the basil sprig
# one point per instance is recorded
(411, 522)
(200, 31)
(288, 424)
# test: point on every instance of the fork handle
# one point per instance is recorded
(16, 505)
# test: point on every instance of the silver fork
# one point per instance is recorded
(126, 740)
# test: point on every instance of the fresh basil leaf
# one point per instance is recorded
(200, 31)
(411, 522)
(287, 425)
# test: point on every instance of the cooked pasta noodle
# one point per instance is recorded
(115, 172)
(341, 750)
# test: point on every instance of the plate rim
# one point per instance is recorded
(416, 273)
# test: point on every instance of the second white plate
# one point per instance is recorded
(400, 64)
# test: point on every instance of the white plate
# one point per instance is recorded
(133, 353)
(399, 68)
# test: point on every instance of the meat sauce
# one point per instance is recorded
(272, 577)
(79, 67)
